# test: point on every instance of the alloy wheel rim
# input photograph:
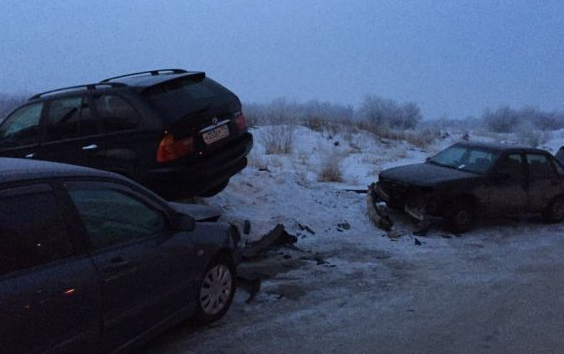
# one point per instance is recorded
(558, 209)
(462, 217)
(216, 289)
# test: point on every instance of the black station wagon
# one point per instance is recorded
(91, 262)
(471, 179)
(176, 132)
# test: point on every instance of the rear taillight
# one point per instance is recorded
(240, 121)
(170, 149)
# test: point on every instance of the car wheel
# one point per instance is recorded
(214, 190)
(460, 216)
(396, 207)
(554, 211)
(216, 290)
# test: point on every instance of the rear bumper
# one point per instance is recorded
(200, 174)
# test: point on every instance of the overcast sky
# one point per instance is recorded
(451, 57)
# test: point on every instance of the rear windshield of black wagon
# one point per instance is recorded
(182, 97)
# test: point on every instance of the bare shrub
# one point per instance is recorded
(278, 139)
(415, 137)
(509, 120)
(422, 139)
(379, 112)
(503, 120)
(312, 114)
(532, 137)
(315, 123)
(277, 112)
(445, 124)
(331, 169)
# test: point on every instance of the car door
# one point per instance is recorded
(146, 272)
(20, 132)
(544, 181)
(509, 186)
(125, 143)
(49, 294)
(72, 134)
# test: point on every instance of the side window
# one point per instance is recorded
(560, 155)
(88, 125)
(116, 113)
(540, 166)
(512, 165)
(480, 160)
(63, 118)
(22, 127)
(113, 217)
(32, 231)
(558, 165)
(69, 118)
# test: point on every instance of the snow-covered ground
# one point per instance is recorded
(375, 294)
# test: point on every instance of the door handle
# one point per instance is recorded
(116, 265)
(30, 155)
(90, 147)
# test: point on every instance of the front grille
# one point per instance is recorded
(394, 186)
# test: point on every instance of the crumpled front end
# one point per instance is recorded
(418, 202)
(422, 203)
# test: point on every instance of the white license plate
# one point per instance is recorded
(216, 134)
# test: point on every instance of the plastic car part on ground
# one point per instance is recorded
(275, 238)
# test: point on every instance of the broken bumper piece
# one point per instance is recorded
(414, 213)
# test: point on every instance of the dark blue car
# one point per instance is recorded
(91, 262)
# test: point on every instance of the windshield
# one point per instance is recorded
(471, 159)
(179, 98)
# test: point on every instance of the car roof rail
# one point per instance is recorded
(87, 87)
(152, 72)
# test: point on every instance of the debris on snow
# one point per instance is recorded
(246, 227)
(422, 228)
(306, 228)
(275, 238)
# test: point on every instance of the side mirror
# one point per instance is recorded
(173, 222)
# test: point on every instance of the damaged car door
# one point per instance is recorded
(509, 186)
(544, 181)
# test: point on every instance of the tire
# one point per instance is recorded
(460, 216)
(216, 290)
(554, 211)
(214, 190)
(396, 207)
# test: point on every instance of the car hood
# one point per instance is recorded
(197, 211)
(426, 174)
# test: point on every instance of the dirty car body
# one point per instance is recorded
(481, 178)
(92, 262)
